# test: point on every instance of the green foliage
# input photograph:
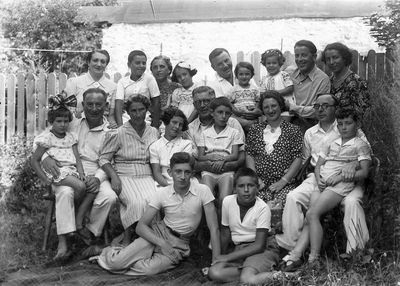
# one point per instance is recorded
(386, 26)
(51, 25)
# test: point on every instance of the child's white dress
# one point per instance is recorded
(183, 99)
(59, 149)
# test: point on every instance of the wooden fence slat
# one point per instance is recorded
(21, 104)
(2, 108)
(42, 101)
(255, 61)
(289, 60)
(354, 64)
(62, 81)
(51, 84)
(362, 67)
(11, 100)
(380, 66)
(239, 57)
(31, 106)
(389, 64)
(371, 63)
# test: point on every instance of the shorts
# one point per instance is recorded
(217, 177)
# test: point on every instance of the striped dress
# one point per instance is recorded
(131, 156)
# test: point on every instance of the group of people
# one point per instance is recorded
(166, 147)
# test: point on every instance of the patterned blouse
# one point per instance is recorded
(166, 92)
(352, 92)
(271, 167)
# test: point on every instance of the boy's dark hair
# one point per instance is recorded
(62, 111)
(245, 65)
(216, 52)
(273, 53)
(182, 158)
(275, 95)
(342, 113)
(135, 53)
(342, 49)
(308, 44)
(172, 111)
(95, 90)
(137, 98)
(203, 88)
(220, 101)
(104, 52)
(244, 172)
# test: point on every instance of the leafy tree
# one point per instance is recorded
(386, 26)
(50, 25)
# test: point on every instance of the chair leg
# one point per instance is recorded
(49, 218)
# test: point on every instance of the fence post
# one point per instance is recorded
(255, 61)
(31, 106)
(62, 81)
(42, 101)
(371, 75)
(21, 104)
(2, 108)
(380, 66)
(11, 81)
(354, 63)
(362, 67)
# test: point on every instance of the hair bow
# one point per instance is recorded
(62, 99)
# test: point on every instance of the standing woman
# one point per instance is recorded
(131, 177)
(273, 149)
(349, 89)
(161, 68)
(97, 62)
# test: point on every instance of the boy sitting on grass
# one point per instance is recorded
(246, 221)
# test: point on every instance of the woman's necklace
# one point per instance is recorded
(337, 81)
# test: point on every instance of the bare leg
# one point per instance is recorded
(252, 277)
(84, 207)
(225, 186)
(326, 201)
(128, 234)
(223, 273)
(62, 248)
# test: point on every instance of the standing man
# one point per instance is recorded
(90, 130)
(223, 79)
(315, 140)
(309, 81)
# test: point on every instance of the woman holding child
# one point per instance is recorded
(131, 177)
(273, 149)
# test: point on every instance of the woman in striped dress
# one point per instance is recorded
(131, 176)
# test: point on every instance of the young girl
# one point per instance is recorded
(60, 144)
(162, 150)
(245, 96)
(276, 79)
(182, 96)
(137, 83)
(348, 148)
(219, 144)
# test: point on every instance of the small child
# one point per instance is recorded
(182, 96)
(219, 144)
(276, 79)
(348, 148)
(61, 145)
(137, 83)
(172, 142)
(246, 220)
(245, 96)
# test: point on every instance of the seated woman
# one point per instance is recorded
(172, 142)
(348, 88)
(273, 150)
(131, 176)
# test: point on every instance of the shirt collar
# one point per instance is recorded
(319, 128)
(311, 74)
(102, 127)
(173, 141)
(348, 143)
(100, 81)
(191, 190)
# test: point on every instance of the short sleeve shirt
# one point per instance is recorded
(146, 85)
(182, 214)
(355, 149)
(257, 217)
(221, 142)
(162, 150)
(278, 81)
(244, 99)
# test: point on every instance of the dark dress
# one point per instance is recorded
(271, 167)
(166, 92)
(352, 93)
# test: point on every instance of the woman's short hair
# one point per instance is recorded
(183, 65)
(166, 60)
(245, 172)
(245, 65)
(181, 158)
(104, 52)
(62, 111)
(273, 53)
(137, 98)
(308, 44)
(342, 49)
(275, 95)
(172, 111)
(220, 101)
(135, 53)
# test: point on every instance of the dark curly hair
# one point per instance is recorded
(182, 158)
(342, 49)
(220, 101)
(172, 111)
(62, 111)
(275, 95)
(273, 53)
(137, 98)
(344, 112)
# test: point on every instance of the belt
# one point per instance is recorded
(177, 234)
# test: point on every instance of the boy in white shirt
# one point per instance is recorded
(246, 220)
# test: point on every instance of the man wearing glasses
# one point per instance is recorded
(316, 139)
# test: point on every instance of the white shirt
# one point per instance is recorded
(146, 85)
(221, 86)
(221, 142)
(257, 217)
